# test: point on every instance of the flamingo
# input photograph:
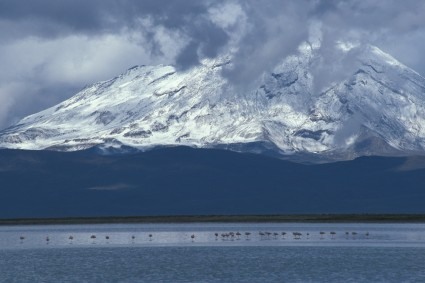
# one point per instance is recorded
(275, 235)
(321, 234)
(247, 235)
(216, 236)
(261, 235)
(283, 235)
(297, 235)
(268, 234)
(332, 234)
(238, 235)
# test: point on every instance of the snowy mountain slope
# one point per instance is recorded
(377, 109)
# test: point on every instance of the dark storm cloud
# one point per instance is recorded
(99, 15)
(276, 26)
(51, 45)
(57, 18)
(206, 41)
(49, 18)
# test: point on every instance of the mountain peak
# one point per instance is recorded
(374, 109)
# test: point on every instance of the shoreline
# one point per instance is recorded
(289, 218)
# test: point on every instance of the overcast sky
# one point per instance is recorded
(49, 49)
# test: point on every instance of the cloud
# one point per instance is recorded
(39, 72)
(51, 48)
(42, 72)
(394, 26)
(271, 31)
(7, 100)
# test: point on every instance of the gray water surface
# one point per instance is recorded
(374, 253)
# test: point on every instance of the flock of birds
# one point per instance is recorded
(276, 235)
(92, 237)
(237, 236)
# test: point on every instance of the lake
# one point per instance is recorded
(248, 252)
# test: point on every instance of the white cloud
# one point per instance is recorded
(73, 59)
(227, 15)
(346, 46)
(31, 64)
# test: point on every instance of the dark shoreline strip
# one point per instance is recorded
(310, 218)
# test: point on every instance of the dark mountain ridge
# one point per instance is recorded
(187, 181)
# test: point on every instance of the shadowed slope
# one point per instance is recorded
(177, 181)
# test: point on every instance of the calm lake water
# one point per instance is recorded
(126, 253)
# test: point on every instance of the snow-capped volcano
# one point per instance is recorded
(378, 108)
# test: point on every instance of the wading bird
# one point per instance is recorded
(247, 235)
(297, 235)
(238, 235)
(261, 235)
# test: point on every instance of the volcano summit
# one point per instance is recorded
(378, 108)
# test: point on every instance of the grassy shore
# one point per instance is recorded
(311, 218)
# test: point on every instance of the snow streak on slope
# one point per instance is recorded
(377, 109)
